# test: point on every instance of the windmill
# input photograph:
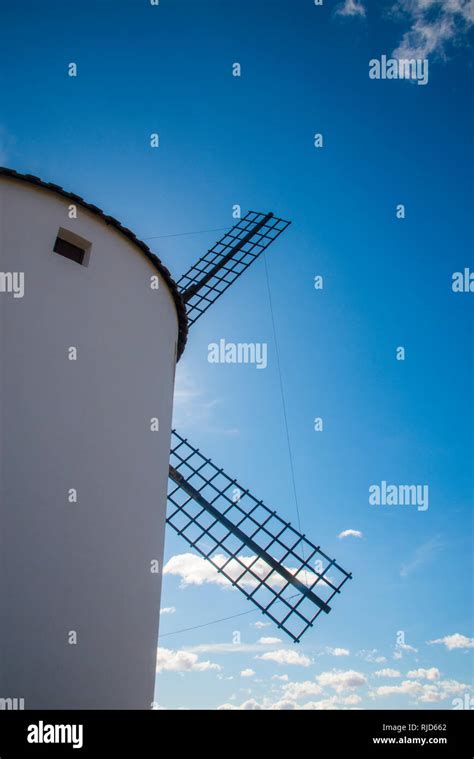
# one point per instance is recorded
(84, 473)
(289, 578)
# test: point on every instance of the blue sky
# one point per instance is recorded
(248, 140)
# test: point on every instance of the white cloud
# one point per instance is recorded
(340, 680)
(431, 695)
(286, 656)
(351, 8)
(285, 704)
(432, 692)
(283, 678)
(337, 651)
(433, 24)
(194, 570)
(407, 687)
(424, 674)
(168, 610)
(333, 702)
(451, 687)
(181, 661)
(388, 672)
(261, 625)
(253, 705)
(371, 656)
(269, 641)
(351, 700)
(250, 705)
(326, 704)
(350, 534)
(297, 691)
(247, 672)
(454, 641)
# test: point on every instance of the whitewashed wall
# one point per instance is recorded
(85, 424)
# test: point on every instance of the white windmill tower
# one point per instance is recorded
(92, 325)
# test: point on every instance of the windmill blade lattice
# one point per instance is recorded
(218, 269)
(288, 577)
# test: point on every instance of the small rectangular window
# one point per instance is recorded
(68, 250)
(72, 246)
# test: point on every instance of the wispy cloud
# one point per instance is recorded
(351, 8)
(403, 648)
(192, 408)
(433, 24)
(228, 648)
(421, 556)
(372, 656)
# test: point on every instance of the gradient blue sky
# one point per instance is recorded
(249, 141)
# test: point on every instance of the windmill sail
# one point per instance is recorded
(218, 269)
(288, 577)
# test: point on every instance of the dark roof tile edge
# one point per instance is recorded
(154, 260)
